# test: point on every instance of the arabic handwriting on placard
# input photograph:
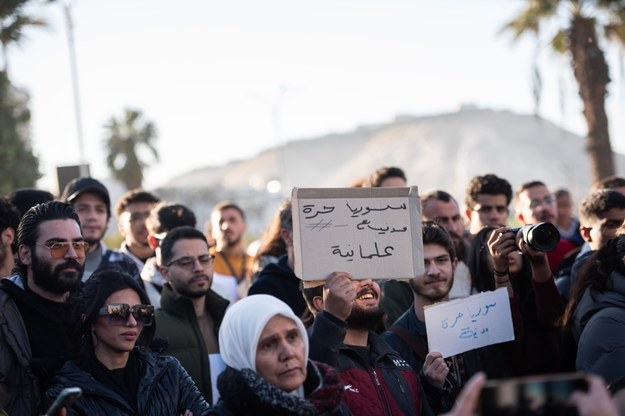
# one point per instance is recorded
(336, 250)
(365, 210)
(381, 230)
(466, 332)
(319, 225)
(310, 208)
(388, 251)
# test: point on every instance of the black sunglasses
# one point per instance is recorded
(119, 313)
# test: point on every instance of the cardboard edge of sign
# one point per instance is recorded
(412, 193)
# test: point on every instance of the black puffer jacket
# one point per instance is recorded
(245, 393)
(165, 388)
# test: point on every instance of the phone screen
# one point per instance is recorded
(543, 395)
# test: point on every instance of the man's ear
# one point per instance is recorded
(8, 236)
(585, 232)
(164, 272)
(454, 263)
(468, 213)
(25, 254)
(519, 217)
(318, 303)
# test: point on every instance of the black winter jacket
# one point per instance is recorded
(278, 280)
(176, 322)
(165, 388)
(245, 393)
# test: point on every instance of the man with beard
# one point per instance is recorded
(377, 380)
(92, 203)
(487, 200)
(34, 316)
(534, 204)
(190, 312)
(232, 264)
(441, 208)
(408, 335)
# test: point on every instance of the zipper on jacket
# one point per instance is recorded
(381, 392)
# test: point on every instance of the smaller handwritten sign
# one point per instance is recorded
(465, 324)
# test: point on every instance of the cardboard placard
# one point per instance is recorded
(372, 233)
(465, 324)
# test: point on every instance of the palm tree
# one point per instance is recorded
(579, 38)
(123, 139)
(13, 21)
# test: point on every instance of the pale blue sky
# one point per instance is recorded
(209, 72)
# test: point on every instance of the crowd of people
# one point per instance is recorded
(183, 321)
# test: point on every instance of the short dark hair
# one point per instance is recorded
(528, 185)
(178, 233)
(25, 198)
(598, 203)
(133, 196)
(438, 195)
(228, 205)
(166, 216)
(28, 230)
(489, 184)
(435, 234)
(559, 193)
(385, 172)
(610, 182)
(91, 297)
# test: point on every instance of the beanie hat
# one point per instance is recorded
(243, 324)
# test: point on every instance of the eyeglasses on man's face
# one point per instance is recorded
(548, 200)
(187, 262)
(119, 313)
(59, 249)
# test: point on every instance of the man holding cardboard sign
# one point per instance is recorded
(408, 335)
(378, 381)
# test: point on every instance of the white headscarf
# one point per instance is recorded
(244, 322)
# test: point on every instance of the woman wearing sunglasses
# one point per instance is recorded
(265, 348)
(117, 373)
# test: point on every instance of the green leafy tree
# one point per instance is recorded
(585, 22)
(19, 167)
(13, 22)
(124, 138)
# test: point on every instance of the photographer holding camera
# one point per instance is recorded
(536, 204)
(517, 260)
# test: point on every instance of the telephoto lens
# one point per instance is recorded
(543, 236)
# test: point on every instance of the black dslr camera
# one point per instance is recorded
(543, 236)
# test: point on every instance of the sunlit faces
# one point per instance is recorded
(192, 281)
(93, 214)
(56, 276)
(132, 223)
(435, 283)
(366, 312)
(111, 339)
(537, 204)
(605, 227)
(445, 214)
(489, 210)
(281, 354)
(228, 227)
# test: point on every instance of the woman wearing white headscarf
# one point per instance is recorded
(265, 348)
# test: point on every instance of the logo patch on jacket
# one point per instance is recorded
(351, 388)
